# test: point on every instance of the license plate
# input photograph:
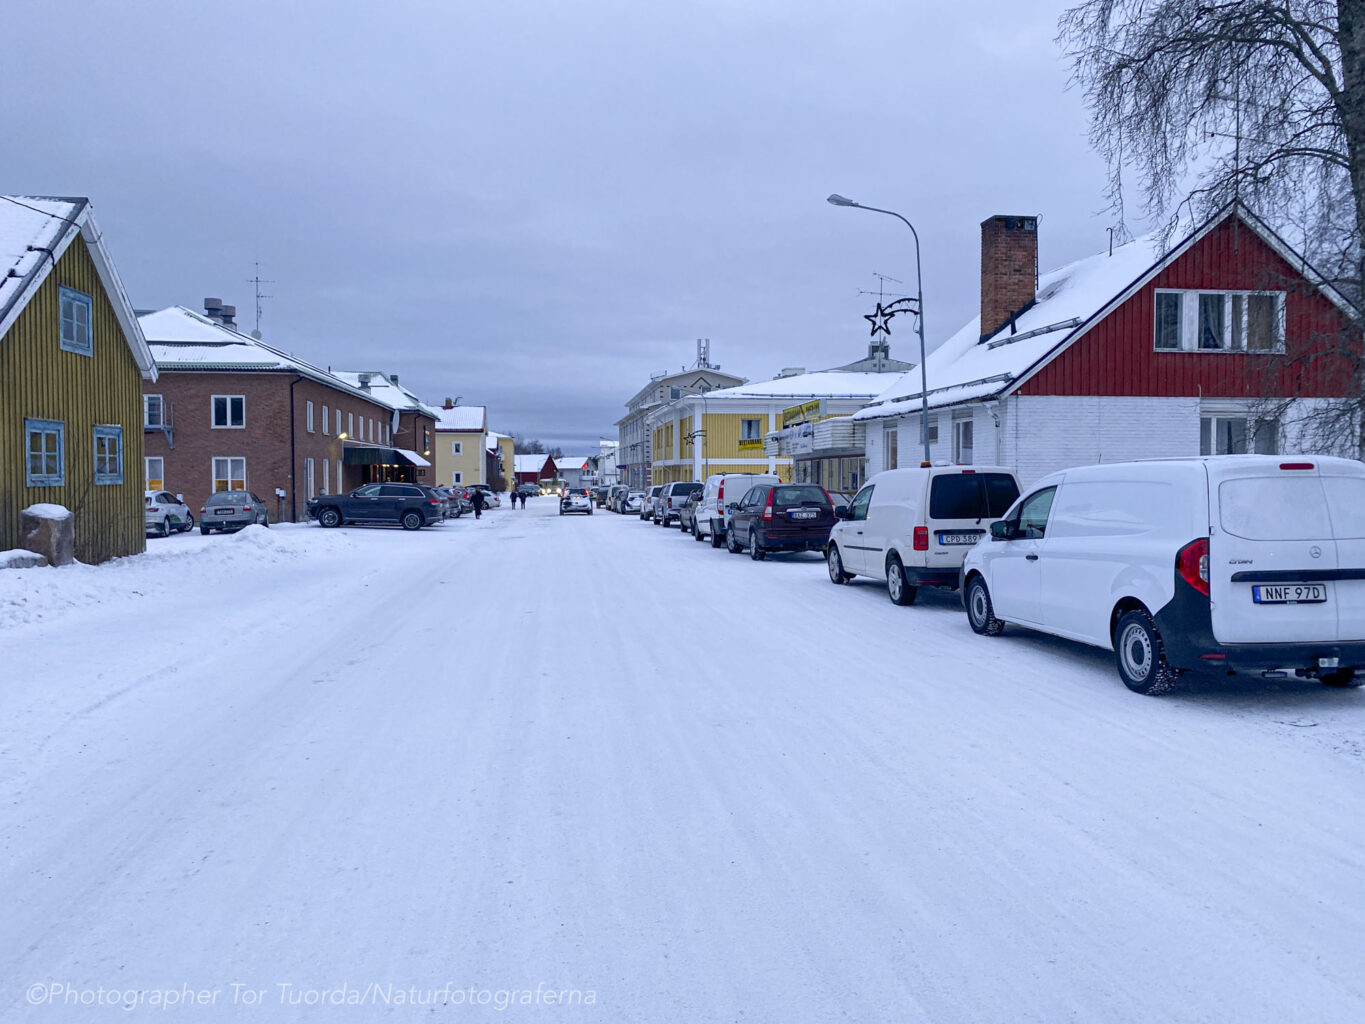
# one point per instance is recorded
(958, 538)
(1290, 593)
(223, 512)
(805, 513)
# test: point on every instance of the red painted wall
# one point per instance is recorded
(1116, 357)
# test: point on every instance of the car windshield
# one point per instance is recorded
(971, 495)
(228, 498)
(799, 494)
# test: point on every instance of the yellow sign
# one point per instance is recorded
(807, 413)
(750, 442)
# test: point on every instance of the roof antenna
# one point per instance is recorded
(258, 281)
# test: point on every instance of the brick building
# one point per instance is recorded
(229, 411)
(1227, 342)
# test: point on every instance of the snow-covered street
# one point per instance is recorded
(592, 755)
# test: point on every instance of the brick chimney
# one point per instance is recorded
(1009, 269)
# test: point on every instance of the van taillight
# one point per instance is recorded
(768, 508)
(1192, 562)
(720, 495)
(921, 538)
(1296, 465)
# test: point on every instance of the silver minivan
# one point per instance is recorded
(912, 527)
(1222, 564)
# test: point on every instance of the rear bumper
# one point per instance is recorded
(946, 578)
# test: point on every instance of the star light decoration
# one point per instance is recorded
(881, 319)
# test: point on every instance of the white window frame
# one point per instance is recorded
(1216, 411)
(76, 311)
(745, 432)
(310, 478)
(214, 477)
(326, 476)
(326, 427)
(456, 478)
(456, 447)
(964, 427)
(339, 487)
(933, 428)
(310, 416)
(213, 412)
(891, 448)
(350, 425)
(1189, 321)
(160, 476)
(148, 403)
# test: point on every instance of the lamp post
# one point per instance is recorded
(837, 200)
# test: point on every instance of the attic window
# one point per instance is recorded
(75, 315)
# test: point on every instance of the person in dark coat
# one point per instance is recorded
(476, 499)
(522, 496)
(512, 494)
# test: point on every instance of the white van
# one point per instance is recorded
(1231, 563)
(721, 489)
(911, 527)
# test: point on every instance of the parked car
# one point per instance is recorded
(441, 496)
(575, 499)
(599, 495)
(780, 517)
(647, 504)
(530, 490)
(491, 499)
(616, 499)
(391, 504)
(670, 500)
(165, 513)
(720, 489)
(912, 527)
(232, 510)
(687, 515)
(633, 501)
(1224, 564)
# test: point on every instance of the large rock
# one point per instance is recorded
(49, 530)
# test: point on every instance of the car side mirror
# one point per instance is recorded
(732, 507)
(1002, 531)
(842, 512)
(180, 498)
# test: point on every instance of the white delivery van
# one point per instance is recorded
(722, 489)
(1224, 564)
(911, 527)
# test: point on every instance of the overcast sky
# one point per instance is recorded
(536, 205)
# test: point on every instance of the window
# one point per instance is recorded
(326, 472)
(371, 429)
(1231, 435)
(108, 455)
(310, 417)
(75, 313)
(154, 469)
(962, 442)
(426, 440)
(229, 412)
(46, 453)
(229, 474)
(858, 510)
(750, 430)
(1190, 321)
(933, 428)
(891, 443)
(350, 424)
(340, 485)
(309, 482)
(1168, 306)
(456, 447)
(326, 428)
(1033, 514)
(674, 392)
(153, 412)
(456, 479)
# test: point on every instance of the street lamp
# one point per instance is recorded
(837, 200)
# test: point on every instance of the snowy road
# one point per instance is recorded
(593, 755)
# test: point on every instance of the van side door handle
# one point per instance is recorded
(1032, 558)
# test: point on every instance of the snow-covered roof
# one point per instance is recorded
(35, 231)
(822, 384)
(529, 463)
(181, 339)
(1069, 301)
(386, 390)
(462, 417)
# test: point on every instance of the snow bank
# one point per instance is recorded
(44, 510)
(20, 558)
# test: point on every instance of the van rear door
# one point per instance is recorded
(1273, 559)
(1344, 484)
(962, 505)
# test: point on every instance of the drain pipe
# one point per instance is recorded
(994, 409)
(293, 459)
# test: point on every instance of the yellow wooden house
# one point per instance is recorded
(72, 362)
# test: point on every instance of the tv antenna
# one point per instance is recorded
(258, 281)
(881, 286)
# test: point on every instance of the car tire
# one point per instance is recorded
(1342, 677)
(716, 538)
(204, 531)
(898, 589)
(166, 526)
(329, 518)
(411, 520)
(696, 532)
(980, 610)
(755, 548)
(263, 520)
(1141, 656)
(835, 564)
(732, 545)
(189, 524)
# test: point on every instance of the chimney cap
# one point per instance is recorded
(1013, 221)
(213, 304)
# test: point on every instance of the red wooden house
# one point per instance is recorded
(1227, 342)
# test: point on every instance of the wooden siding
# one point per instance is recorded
(39, 380)
(1118, 357)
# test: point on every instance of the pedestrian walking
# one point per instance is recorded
(522, 496)
(476, 499)
(512, 495)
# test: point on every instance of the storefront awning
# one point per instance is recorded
(371, 455)
(412, 458)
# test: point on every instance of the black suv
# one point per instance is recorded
(405, 505)
(780, 517)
